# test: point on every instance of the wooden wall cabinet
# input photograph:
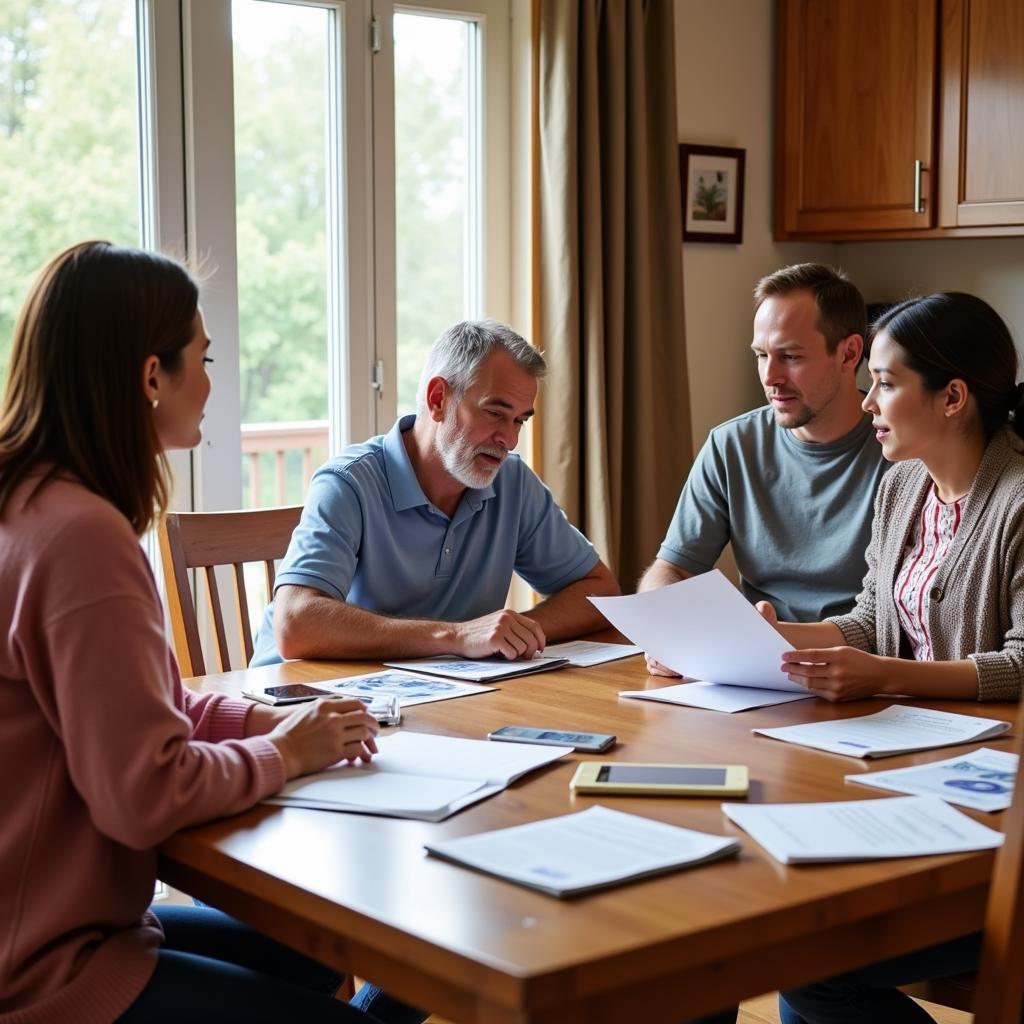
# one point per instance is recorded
(981, 178)
(899, 118)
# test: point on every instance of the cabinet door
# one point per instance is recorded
(982, 113)
(856, 101)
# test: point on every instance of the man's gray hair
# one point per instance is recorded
(460, 351)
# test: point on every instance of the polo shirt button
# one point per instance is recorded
(447, 551)
(935, 594)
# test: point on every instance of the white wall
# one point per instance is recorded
(725, 97)
(992, 268)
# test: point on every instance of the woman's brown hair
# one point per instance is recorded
(74, 400)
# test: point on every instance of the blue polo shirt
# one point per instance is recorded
(369, 536)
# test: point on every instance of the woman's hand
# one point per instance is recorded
(655, 668)
(836, 673)
(324, 732)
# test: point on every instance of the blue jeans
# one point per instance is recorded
(213, 968)
(869, 995)
(370, 999)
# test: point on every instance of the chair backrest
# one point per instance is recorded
(999, 996)
(203, 541)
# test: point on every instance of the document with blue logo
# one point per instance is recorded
(982, 779)
(896, 730)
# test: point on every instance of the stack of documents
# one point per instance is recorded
(896, 730)
(905, 826)
(983, 779)
(410, 689)
(480, 670)
(416, 775)
(705, 629)
(578, 853)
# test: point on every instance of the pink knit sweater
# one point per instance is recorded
(103, 754)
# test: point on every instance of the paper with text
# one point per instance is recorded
(898, 729)
(982, 779)
(580, 852)
(703, 628)
(904, 826)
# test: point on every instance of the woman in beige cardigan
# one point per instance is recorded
(942, 609)
(941, 613)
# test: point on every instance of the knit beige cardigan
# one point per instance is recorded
(975, 606)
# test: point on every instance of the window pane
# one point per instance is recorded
(437, 196)
(281, 141)
(69, 153)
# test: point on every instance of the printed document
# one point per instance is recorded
(417, 775)
(713, 697)
(584, 653)
(409, 688)
(982, 779)
(904, 826)
(481, 670)
(703, 628)
(898, 729)
(578, 853)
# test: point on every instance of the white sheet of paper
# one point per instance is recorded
(905, 826)
(479, 669)
(703, 628)
(588, 850)
(585, 653)
(713, 697)
(898, 729)
(409, 688)
(418, 775)
(982, 779)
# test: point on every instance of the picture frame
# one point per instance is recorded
(711, 183)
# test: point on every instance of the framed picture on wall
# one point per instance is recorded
(711, 179)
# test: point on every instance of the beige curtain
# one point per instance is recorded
(614, 427)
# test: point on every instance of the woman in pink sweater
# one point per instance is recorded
(103, 754)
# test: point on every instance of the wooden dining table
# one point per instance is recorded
(359, 891)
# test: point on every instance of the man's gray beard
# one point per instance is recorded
(457, 458)
(801, 420)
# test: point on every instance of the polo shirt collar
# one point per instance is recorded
(405, 488)
(406, 491)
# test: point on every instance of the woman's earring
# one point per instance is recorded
(156, 402)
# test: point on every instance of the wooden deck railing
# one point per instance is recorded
(308, 437)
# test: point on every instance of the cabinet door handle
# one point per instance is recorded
(918, 201)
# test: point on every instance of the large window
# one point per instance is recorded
(337, 168)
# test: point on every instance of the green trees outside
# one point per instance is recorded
(68, 129)
(69, 170)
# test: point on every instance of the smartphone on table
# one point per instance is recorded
(589, 742)
(288, 693)
(661, 779)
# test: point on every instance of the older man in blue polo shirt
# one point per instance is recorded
(408, 542)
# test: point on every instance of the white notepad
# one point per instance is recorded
(982, 779)
(417, 775)
(713, 697)
(896, 730)
(577, 853)
(905, 826)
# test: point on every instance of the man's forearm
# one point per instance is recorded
(317, 626)
(568, 614)
(660, 574)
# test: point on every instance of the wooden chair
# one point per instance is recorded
(999, 995)
(204, 540)
(996, 992)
